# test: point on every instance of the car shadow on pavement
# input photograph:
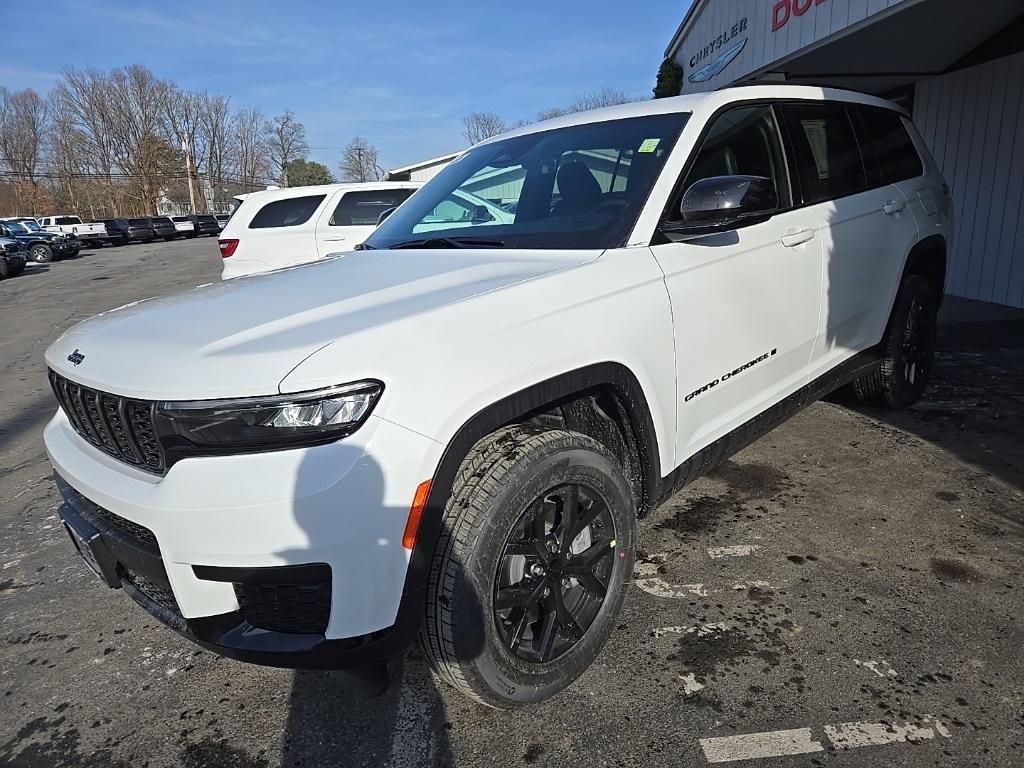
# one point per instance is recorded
(333, 719)
(973, 406)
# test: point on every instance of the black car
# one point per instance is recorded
(205, 224)
(164, 227)
(42, 246)
(12, 257)
(131, 230)
(117, 231)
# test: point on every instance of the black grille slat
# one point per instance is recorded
(303, 608)
(118, 426)
(158, 593)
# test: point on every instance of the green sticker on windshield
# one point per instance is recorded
(649, 145)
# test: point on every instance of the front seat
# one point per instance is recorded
(579, 189)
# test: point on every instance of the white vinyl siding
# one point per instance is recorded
(970, 120)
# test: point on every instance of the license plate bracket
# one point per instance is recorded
(91, 547)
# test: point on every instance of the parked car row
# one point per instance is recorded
(53, 238)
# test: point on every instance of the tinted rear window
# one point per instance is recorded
(63, 220)
(364, 208)
(827, 156)
(286, 213)
(138, 222)
(180, 218)
(161, 220)
(206, 218)
(889, 153)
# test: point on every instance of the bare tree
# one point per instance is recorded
(251, 164)
(286, 141)
(214, 113)
(24, 124)
(183, 113)
(477, 126)
(359, 162)
(603, 97)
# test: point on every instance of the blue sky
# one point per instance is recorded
(397, 72)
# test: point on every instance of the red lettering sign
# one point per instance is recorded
(783, 10)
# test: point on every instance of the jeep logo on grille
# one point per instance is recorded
(76, 357)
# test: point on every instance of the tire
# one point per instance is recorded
(908, 350)
(5, 269)
(466, 635)
(41, 253)
(15, 271)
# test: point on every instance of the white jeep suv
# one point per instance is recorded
(453, 431)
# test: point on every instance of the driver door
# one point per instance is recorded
(745, 302)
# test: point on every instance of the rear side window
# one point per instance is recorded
(364, 208)
(889, 153)
(827, 157)
(286, 213)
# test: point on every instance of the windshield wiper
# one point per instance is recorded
(449, 242)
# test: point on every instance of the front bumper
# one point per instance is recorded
(194, 546)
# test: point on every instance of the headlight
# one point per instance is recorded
(266, 423)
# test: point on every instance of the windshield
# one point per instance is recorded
(577, 187)
(16, 227)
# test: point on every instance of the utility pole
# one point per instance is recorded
(188, 172)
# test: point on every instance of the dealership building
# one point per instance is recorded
(956, 65)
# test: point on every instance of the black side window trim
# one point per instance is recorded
(849, 107)
(666, 213)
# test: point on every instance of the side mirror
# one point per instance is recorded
(385, 213)
(720, 203)
(481, 215)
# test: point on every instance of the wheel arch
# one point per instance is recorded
(928, 259)
(565, 393)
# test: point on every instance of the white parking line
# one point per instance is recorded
(750, 746)
(882, 668)
(738, 550)
(853, 735)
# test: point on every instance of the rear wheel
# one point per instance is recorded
(5, 269)
(41, 253)
(908, 350)
(531, 567)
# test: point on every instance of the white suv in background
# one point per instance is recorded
(452, 431)
(284, 227)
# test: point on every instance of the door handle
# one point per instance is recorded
(334, 239)
(795, 238)
(893, 206)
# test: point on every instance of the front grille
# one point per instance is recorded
(302, 608)
(158, 593)
(118, 426)
(139, 535)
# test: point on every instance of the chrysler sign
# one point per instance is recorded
(725, 45)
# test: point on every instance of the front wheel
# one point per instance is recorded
(908, 350)
(531, 567)
(41, 253)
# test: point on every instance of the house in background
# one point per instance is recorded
(422, 171)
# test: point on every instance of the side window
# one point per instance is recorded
(828, 160)
(743, 141)
(286, 213)
(364, 208)
(889, 153)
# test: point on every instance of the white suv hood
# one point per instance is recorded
(242, 337)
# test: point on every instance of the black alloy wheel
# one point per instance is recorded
(554, 572)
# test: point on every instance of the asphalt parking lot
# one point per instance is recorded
(846, 592)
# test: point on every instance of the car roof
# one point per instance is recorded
(703, 102)
(282, 193)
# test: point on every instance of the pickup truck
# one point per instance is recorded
(92, 233)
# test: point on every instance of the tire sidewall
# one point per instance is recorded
(903, 394)
(477, 639)
(41, 254)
